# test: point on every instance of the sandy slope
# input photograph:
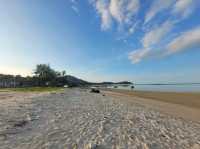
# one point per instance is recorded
(79, 119)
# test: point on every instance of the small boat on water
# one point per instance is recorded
(132, 87)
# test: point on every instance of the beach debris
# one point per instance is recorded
(28, 117)
(21, 123)
(94, 90)
(66, 86)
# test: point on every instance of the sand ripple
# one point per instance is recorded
(79, 119)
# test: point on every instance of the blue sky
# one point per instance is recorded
(103, 40)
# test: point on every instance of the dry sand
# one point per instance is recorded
(79, 119)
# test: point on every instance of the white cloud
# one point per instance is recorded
(185, 41)
(184, 7)
(133, 28)
(74, 6)
(120, 11)
(123, 10)
(124, 14)
(137, 55)
(149, 41)
(75, 9)
(102, 8)
(116, 10)
(156, 7)
(155, 35)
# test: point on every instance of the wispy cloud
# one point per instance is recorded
(102, 8)
(184, 8)
(156, 7)
(133, 28)
(137, 55)
(185, 41)
(155, 35)
(74, 6)
(149, 41)
(118, 11)
(123, 10)
(76, 10)
(124, 13)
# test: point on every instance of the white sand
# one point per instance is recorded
(79, 119)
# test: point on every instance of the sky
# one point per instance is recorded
(142, 41)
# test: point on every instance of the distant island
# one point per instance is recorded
(113, 83)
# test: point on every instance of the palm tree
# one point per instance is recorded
(45, 74)
(63, 73)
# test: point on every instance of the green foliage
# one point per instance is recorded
(44, 76)
(63, 73)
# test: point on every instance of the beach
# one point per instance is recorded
(185, 105)
(76, 118)
(189, 99)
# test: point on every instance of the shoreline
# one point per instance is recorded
(188, 99)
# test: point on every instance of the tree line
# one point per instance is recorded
(43, 75)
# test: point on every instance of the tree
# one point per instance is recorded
(63, 73)
(45, 74)
(58, 74)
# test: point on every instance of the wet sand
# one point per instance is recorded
(186, 99)
(162, 103)
(78, 119)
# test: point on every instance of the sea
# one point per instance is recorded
(189, 87)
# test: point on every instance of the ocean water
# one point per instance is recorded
(164, 88)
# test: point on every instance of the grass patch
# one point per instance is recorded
(32, 89)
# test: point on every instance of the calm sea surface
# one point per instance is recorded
(165, 88)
